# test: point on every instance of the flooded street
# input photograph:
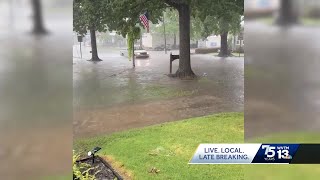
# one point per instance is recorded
(36, 94)
(282, 83)
(111, 96)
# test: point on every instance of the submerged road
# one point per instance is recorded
(110, 96)
(282, 82)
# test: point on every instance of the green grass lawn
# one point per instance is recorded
(169, 147)
(284, 172)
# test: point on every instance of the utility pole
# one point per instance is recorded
(164, 34)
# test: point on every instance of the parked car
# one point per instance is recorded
(138, 52)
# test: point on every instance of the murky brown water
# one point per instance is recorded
(89, 123)
(282, 84)
(35, 94)
(110, 96)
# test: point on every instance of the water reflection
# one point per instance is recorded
(282, 77)
(142, 63)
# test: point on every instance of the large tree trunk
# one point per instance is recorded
(224, 52)
(287, 14)
(184, 70)
(94, 50)
(38, 27)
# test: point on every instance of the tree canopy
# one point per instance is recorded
(89, 14)
(122, 15)
(226, 18)
(172, 25)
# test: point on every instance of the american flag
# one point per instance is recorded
(145, 21)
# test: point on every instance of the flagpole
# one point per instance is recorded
(164, 35)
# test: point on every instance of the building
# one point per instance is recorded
(213, 41)
(234, 41)
(153, 40)
(257, 8)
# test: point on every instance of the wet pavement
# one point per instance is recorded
(110, 96)
(282, 79)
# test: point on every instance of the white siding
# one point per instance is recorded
(213, 41)
(256, 5)
(147, 40)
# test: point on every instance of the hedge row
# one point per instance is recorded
(206, 50)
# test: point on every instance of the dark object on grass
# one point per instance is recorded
(93, 152)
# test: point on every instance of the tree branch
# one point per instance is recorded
(172, 3)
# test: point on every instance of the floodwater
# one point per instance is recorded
(35, 93)
(110, 96)
(282, 81)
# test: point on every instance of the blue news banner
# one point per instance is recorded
(257, 154)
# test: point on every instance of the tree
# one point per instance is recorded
(184, 69)
(89, 15)
(171, 24)
(197, 29)
(132, 35)
(38, 26)
(225, 19)
(126, 13)
(105, 37)
(287, 15)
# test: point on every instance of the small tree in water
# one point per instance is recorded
(288, 15)
(38, 26)
(224, 20)
(88, 16)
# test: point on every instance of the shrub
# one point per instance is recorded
(81, 170)
(314, 12)
(239, 50)
(206, 50)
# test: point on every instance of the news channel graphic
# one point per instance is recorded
(257, 154)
